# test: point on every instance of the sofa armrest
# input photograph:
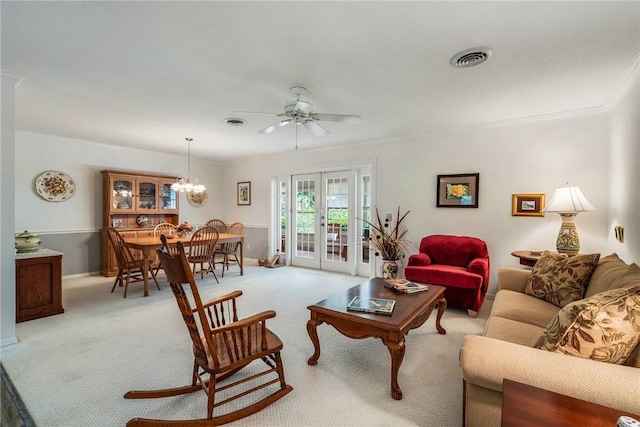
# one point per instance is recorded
(420, 259)
(485, 362)
(514, 279)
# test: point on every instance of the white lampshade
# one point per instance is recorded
(569, 199)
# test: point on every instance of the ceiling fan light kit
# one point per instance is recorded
(301, 112)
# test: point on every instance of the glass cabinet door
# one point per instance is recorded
(168, 198)
(122, 194)
(147, 195)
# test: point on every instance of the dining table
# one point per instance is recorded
(148, 243)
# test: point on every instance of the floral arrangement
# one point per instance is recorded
(388, 240)
(184, 227)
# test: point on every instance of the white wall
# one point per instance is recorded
(526, 158)
(83, 161)
(624, 166)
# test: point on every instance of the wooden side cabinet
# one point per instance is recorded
(38, 284)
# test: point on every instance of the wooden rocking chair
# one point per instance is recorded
(222, 346)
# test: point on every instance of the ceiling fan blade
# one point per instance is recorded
(275, 126)
(315, 128)
(344, 118)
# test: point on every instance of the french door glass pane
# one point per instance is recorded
(283, 215)
(305, 218)
(366, 215)
(337, 216)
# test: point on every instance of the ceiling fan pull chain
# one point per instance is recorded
(296, 124)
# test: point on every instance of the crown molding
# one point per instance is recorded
(624, 85)
(44, 137)
(11, 76)
(521, 121)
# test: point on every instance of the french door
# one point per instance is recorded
(323, 207)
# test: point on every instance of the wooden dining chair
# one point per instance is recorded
(130, 268)
(228, 250)
(218, 224)
(164, 228)
(167, 229)
(201, 248)
(223, 344)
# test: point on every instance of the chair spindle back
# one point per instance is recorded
(123, 254)
(211, 317)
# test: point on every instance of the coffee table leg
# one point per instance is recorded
(442, 306)
(396, 349)
(312, 324)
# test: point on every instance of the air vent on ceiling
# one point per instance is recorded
(470, 57)
(234, 121)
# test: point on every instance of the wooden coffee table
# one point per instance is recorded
(528, 406)
(410, 312)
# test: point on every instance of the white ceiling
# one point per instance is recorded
(148, 74)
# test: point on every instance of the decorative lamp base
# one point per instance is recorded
(568, 241)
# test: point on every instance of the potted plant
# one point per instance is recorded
(389, 241)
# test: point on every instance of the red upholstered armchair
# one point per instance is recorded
(459, 263)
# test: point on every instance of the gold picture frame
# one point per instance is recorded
(528, 204)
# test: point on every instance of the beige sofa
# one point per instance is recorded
(506, 350)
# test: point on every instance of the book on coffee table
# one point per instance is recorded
(404, 285)
(371, 305)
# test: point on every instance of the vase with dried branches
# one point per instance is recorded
(389, 241)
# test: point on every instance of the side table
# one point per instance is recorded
(526, 258)
(38, 284)
(527, 406)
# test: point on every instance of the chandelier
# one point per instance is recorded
(185, 184)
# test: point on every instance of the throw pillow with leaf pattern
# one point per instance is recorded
(561, 279)
(604, 327)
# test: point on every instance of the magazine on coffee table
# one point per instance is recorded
(371, 305)
(404, 285)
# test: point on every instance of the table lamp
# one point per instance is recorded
(568, 201)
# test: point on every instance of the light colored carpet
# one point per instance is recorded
(73, 369)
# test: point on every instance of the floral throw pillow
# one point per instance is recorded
(560, 279)
(604, 327)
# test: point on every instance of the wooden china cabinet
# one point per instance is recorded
(134, 203)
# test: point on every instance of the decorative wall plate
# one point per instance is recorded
(143, 220)
(55, 186)
(197, 199)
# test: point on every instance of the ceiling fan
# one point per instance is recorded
(301, 112)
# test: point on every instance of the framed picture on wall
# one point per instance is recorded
(527, 204)
(244, 193)
(458, 191)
